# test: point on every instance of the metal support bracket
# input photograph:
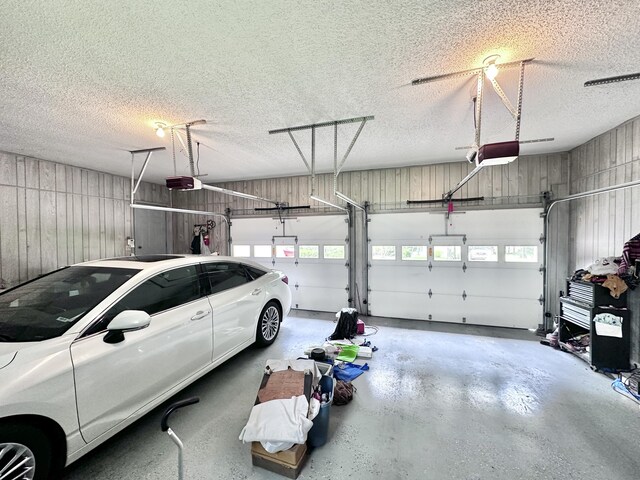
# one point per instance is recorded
(337, 168)
(136, 184)
(516, 112)
(505, 101)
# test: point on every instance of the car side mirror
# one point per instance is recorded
(125, 322)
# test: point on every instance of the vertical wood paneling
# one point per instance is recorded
(8, 169)
(425, 183)
(32, 172)
(69, 232)
(415, 184)
(34, 256)
(376, 179)
(496, 181)
(22, 233)
(635, 199)
(47, 175)
(601, 224)
(21, 171)
(48, 228)
(61, 228)
(61, 215)
(473, 185)
(9, 268)
(78, 229)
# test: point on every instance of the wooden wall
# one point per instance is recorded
(518, 184)
(54, 215)
(601, 224)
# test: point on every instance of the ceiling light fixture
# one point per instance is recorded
(159, 126)
(490, 68)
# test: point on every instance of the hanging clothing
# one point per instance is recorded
(204, 248)
(195, 245)
(630, 253)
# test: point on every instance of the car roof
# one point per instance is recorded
(150, 263)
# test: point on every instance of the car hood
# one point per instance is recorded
(7, 354)
(9, 351)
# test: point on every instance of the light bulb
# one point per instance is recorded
(491, 71)
(160, 132)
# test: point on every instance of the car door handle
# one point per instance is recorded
(256, 291)
(200, 315)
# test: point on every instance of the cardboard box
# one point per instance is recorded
(291, 456)
(288, 462)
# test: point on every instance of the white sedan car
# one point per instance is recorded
(88, 349)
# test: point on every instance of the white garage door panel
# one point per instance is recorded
(400, 305)
(449, 280)
(387, 280)
(320, 286)
(502, 282)
(316, 284)
(497, 293)
(507, 312)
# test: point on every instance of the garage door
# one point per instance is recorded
(485, 272)
(313, 254)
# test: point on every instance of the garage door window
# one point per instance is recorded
(241, 250)
(334, 252)
(285, 251)
(520, 253)
(414, 252)
(447, 253)
(383, 252)
(309, 251)
(262, 251)
(483, 253)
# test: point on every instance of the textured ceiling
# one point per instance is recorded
(83, 81)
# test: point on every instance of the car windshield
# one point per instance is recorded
(48, 306)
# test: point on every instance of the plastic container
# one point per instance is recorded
(320, 431)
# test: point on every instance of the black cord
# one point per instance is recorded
(198, 157)
(475, 127)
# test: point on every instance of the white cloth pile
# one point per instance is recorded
(603, 266)
(278, 424)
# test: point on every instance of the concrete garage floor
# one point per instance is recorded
(439, 402)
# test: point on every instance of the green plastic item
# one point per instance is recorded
(348, 353)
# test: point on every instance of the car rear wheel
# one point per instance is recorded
(25, 453)
(268, 324)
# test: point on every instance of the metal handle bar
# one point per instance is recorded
(164, 423)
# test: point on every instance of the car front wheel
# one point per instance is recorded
(268, 324)
(25, 453)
